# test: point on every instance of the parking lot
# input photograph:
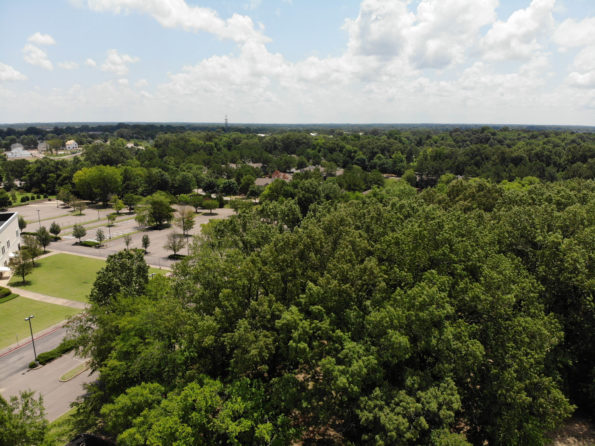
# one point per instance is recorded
(94, 218)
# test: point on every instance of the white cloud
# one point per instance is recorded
(178, 14)
(518, 37)
(571, 34)
(41, 39)
(118, 63)
(36, 56)
(8, 73)
(583, 74)
(90, 62)
(253, 4)
(377, 78)
(436, 35)
(68, 65)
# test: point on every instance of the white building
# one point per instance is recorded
(10, 236)
(43, 146)
(71, 145)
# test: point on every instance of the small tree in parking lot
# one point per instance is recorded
(79, 232)
(146, 242)
(175, 243)
(100, 236)
(55, 229)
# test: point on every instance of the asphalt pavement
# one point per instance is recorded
(17, 361)
(57, 395)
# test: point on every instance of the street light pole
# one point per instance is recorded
(38, 218)
(32, 339)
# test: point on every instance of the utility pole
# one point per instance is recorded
(32, 339)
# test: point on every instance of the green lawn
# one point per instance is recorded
(65, 275)
(61, 430)
(13, 313)
(62, 275)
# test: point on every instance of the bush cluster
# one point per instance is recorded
(64, 347)
(89, 243)
(4, 292)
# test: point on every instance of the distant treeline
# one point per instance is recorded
(179, 161)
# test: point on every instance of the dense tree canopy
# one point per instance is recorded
(457, 316)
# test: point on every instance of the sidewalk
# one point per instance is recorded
(48, 299)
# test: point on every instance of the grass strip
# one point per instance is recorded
(74, 372)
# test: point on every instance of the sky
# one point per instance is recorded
(298, 61)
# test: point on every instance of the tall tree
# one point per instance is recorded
(20, 266)
(23, 420)
(32, 247)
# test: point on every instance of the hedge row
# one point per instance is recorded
(4, 292)
(89, 243)
(64, 347)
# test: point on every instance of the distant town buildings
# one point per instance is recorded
(17, 151)
(43, 146)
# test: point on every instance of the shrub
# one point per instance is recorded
(24, 198)
(4, 292)
(32, 364)
(46, 196)
(8, 298)
(64, 347)
(89, 243)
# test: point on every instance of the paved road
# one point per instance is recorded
(17, 361)
(45, 380)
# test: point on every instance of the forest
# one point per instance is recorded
(405, 287)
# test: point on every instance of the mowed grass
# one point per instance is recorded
(65, 275)
(13, 313)
(62, 275)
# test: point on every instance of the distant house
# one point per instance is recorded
(281, 176)
(275, 176)
(43, 146)
(71, 145)
(17, 151)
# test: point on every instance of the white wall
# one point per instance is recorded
(10, 238)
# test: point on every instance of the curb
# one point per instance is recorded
(25, 343)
